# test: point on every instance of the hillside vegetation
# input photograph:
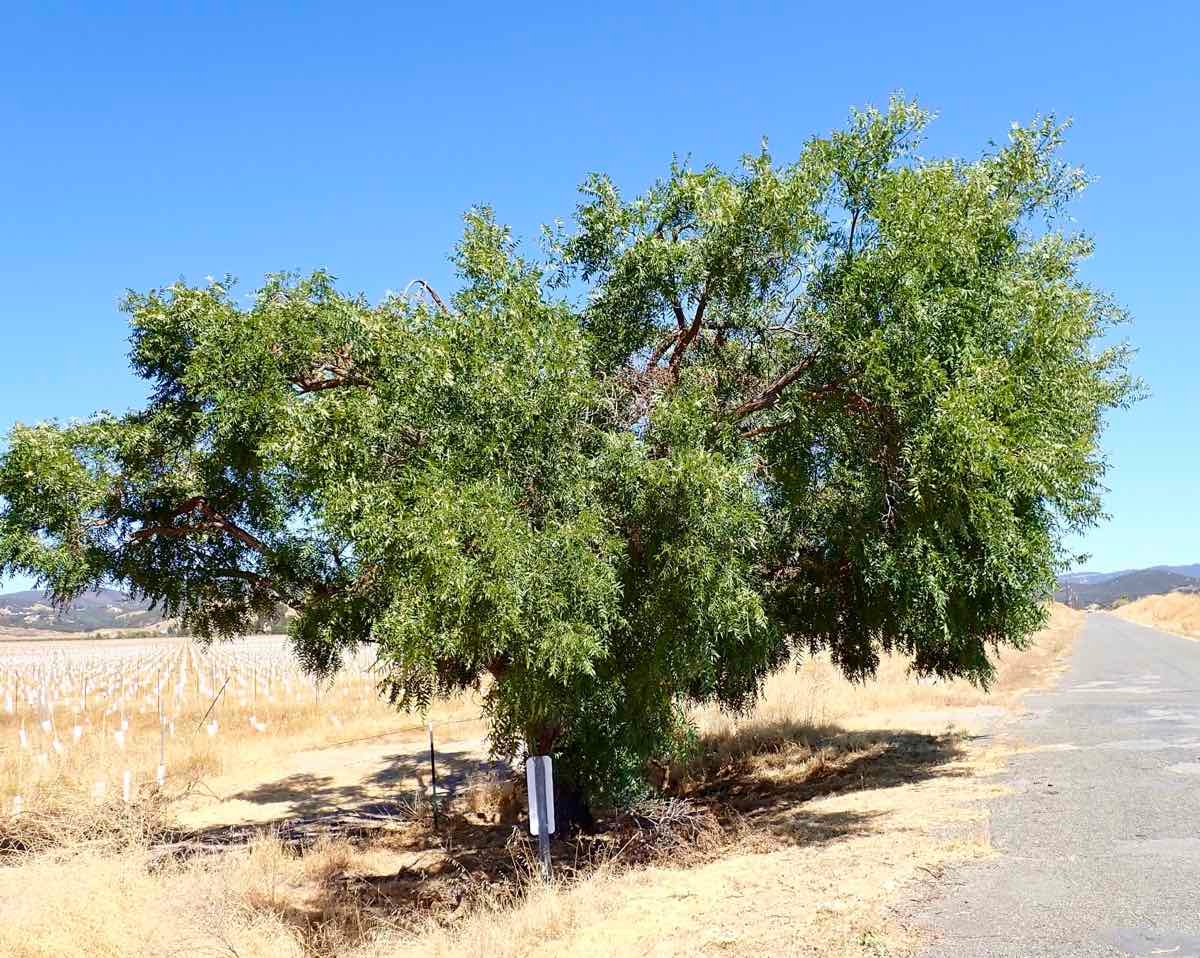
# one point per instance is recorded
(1177, 612)
(103, 609)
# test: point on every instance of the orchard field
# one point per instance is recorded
(119, 719)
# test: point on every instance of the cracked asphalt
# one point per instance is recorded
(1099, 839)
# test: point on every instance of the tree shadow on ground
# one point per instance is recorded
(455, 768)
(406, 775)
(399, 792)
(756, 793)
(768, 789)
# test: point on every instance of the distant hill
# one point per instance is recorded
(1107, 589)
(1093, 578)
(105, 609)
(1088, 578)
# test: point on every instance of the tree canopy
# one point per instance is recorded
(851, 402)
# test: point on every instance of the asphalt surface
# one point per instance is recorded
(1099, 840)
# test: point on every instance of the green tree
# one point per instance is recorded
(849, 403)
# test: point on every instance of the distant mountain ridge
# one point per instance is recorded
(110, 609)
(103, 609)
(1090, 578)
(1105, 589)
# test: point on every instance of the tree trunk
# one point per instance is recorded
(571, 811)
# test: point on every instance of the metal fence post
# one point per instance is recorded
(433, 777)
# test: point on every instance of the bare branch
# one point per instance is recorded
(686, 337)
(680, 317)
(660, 350)
(339, 370)
(432, 294)
(769, 396)
(212, 521)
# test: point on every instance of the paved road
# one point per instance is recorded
(1100, 838)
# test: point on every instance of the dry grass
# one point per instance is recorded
(1177, 612)
(834, 824)
(88, 902)
(829, 802)
(61, 817)
(819, 845)
(816, 694)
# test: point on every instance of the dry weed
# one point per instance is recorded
(60, 816)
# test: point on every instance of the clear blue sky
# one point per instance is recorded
(140, 145)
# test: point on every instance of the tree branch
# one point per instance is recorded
(680, 317)
(769, 396)
(306, 385)
(253, 578)
(340, 370)
(765, 430)
(660, 350)
(432, 294)
(685, 338)
(212, 521)
(855, 402)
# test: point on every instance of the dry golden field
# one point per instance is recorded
(805, 824)
(1177, 612)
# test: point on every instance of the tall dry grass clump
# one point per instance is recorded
(86, 901)
(63, 817)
